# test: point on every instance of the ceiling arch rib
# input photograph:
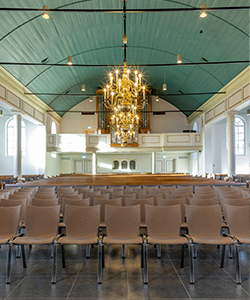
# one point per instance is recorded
(153, 38)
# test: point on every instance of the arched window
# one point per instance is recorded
(124, 164)
(239, 136)
(53, 128)
(115, 165)
(132, 165)
(10, 137)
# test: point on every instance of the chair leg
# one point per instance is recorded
(195, 251)
(145, 263)
(158, 251)
(23, 256)
(8, 271)
(103, 257)
(182, 255)
(63, 256)
(230, 252)
(123, 251)
(142, 259)
(51, 250)
(191, 262)
(18, 251)
(237, 264)
(100, 262)
(222, 258)
(87, 251)
(54, 264)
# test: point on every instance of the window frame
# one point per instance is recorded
(237, 134)
(7, 139)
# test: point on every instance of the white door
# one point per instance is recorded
(169, 166)
(79, 166)
(88, 166)
(159, 166)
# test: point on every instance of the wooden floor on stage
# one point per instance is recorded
(127, 179)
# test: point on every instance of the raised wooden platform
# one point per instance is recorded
(128, 179)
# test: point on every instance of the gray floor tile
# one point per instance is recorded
(210, 286)
(159, 286)
(111, 287)
(39, 286)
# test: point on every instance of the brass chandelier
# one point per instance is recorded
(125, 97)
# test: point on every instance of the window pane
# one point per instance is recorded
(115, 164)
(124, 164)
(132, 165)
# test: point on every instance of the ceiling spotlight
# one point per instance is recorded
(70, 60)
(1, 113)
(90, 99)
(125, 39)
(248, 112)
(203, 12)
(164, 87)
(157, 98)
(179, 59)
(45, 13)
(83, 87)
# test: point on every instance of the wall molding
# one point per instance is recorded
(12, 95)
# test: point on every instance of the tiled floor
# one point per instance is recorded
(122, 279)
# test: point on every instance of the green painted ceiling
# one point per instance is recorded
(96, 38)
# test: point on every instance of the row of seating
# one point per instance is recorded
(123, 223)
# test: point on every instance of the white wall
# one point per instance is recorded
(52, 164)
(105, 162)
(73, 122)
(33, 161)
(76, 122)
(170, 122)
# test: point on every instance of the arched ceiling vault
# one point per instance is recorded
(96, 38)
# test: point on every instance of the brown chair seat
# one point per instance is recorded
(169, 241)
(122, 240)
(78, 240)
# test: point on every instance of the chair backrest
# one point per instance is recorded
(203, 188)
(100, 188)
(142, 203)
(82, 221)
(103, 202)
(118, 188)
(9, 219)
(72, 195)
(19, 197)
(177, 196)
(46, 198)
(118, 193)
(150, 187)
(163, 221)
(10, 203)
(203, 202)
(41, 202)
(49, 192)
(91, 194)
(83, 188)
(74, 202)
(47, 188)
(207, 195)
(42, 221)
(122, 221)
(4, 194)
(238, 219)
(170, 202)
(233, 202)
(94, 196)
(204, 221)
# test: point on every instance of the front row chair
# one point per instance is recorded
(9, 219)
(204, 225)
(82, 223)
(238, 220)
(163, 223)
(122, 225)
(41, 229)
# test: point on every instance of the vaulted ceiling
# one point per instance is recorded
(96, 38)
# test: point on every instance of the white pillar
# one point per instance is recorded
(153, 162)
(94, 163)
(18, 146)
(231, 142)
